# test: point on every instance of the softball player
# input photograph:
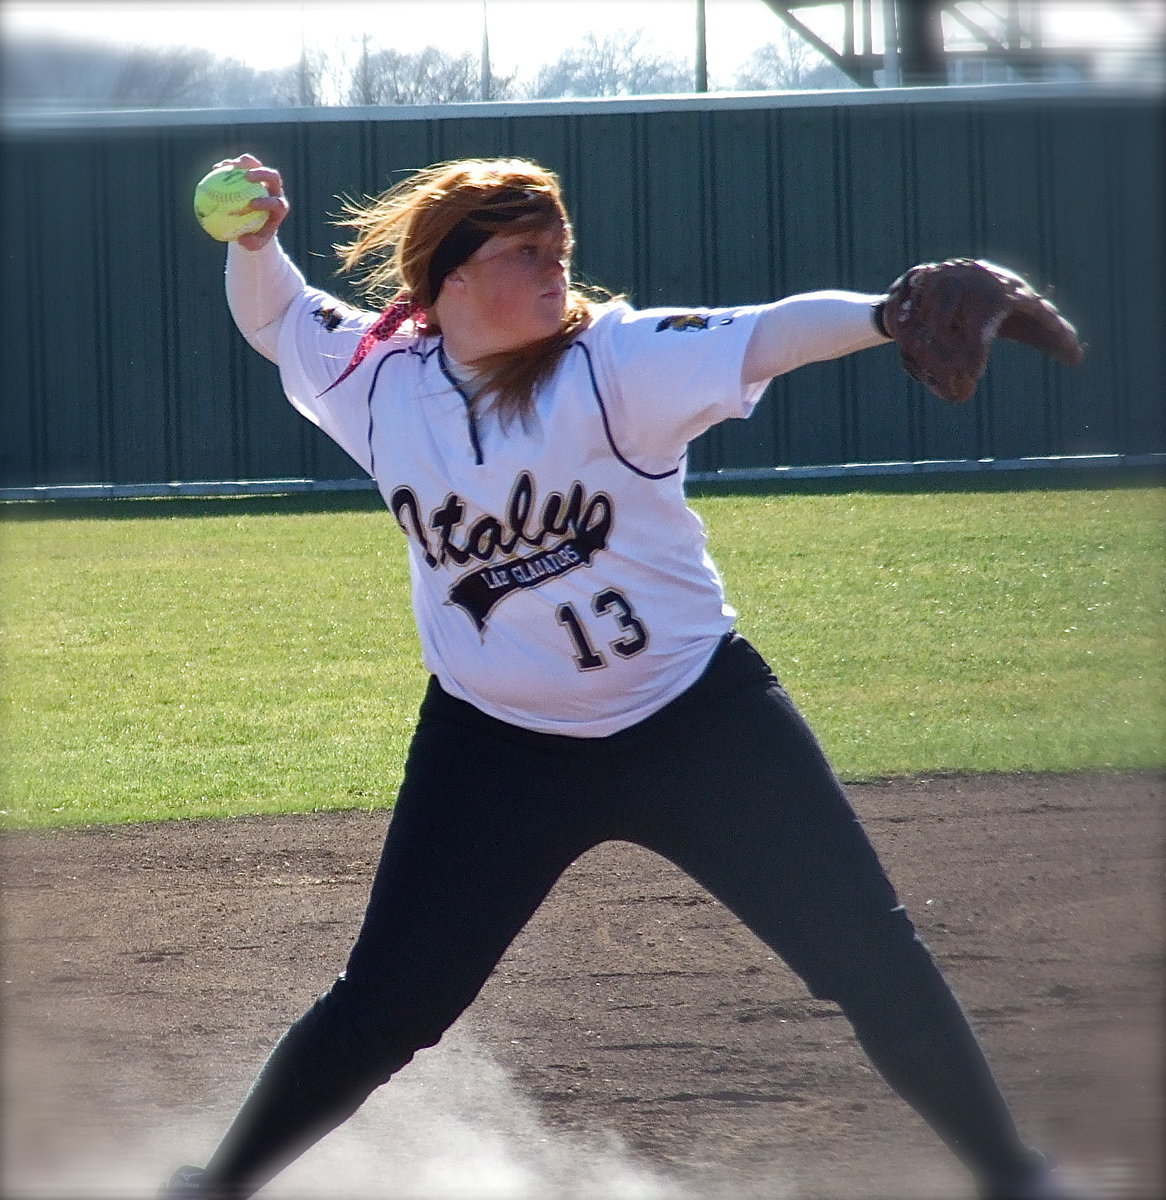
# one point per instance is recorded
(586, 680)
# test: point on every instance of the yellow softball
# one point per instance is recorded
(220, 203)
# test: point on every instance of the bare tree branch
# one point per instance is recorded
(787, 64)
(613, 66)
(430, 76)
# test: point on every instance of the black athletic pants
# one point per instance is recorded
(729, 783)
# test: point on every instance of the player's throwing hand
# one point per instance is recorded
(274, 203)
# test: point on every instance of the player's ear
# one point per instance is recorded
(455, 278)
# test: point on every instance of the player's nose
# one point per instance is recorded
(554, 263)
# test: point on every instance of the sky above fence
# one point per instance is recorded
(523, 34)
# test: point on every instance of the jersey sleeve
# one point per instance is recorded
(664, 376)
(317, 339)
(260, 284)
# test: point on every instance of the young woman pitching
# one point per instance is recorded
(586, 680)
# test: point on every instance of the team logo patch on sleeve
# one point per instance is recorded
(683, 321)
(333, 316)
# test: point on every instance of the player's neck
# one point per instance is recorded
(464, 344)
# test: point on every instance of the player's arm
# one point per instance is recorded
(261, 280)
(261, 285)
(809, 328)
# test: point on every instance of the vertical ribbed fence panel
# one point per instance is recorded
(122, 365)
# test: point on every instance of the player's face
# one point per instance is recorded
(516, 285)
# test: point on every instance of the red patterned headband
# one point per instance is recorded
(383, 328)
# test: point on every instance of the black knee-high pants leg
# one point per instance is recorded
(729, 783)
(480, 833)
(758, 817)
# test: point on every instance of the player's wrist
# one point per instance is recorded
(878, 317)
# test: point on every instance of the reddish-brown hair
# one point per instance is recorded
(399, 233)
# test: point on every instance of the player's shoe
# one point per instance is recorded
(1050, 1183)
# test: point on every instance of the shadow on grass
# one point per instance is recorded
(307, 503)
(186, 507)
(1036, 479)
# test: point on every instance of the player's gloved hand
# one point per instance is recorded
(944, 317)
(275, 202)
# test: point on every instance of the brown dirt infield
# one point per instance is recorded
(635, 1044)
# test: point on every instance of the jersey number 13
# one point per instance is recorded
(610, 604)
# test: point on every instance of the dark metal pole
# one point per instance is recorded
(702, 63)
(920, 27)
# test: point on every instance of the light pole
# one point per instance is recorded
(486, 80)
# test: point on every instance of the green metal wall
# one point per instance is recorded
(121, 364)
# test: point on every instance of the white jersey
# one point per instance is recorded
(560, 580)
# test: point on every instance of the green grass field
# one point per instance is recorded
(186, 658)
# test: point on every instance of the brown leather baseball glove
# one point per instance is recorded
(944, 317)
